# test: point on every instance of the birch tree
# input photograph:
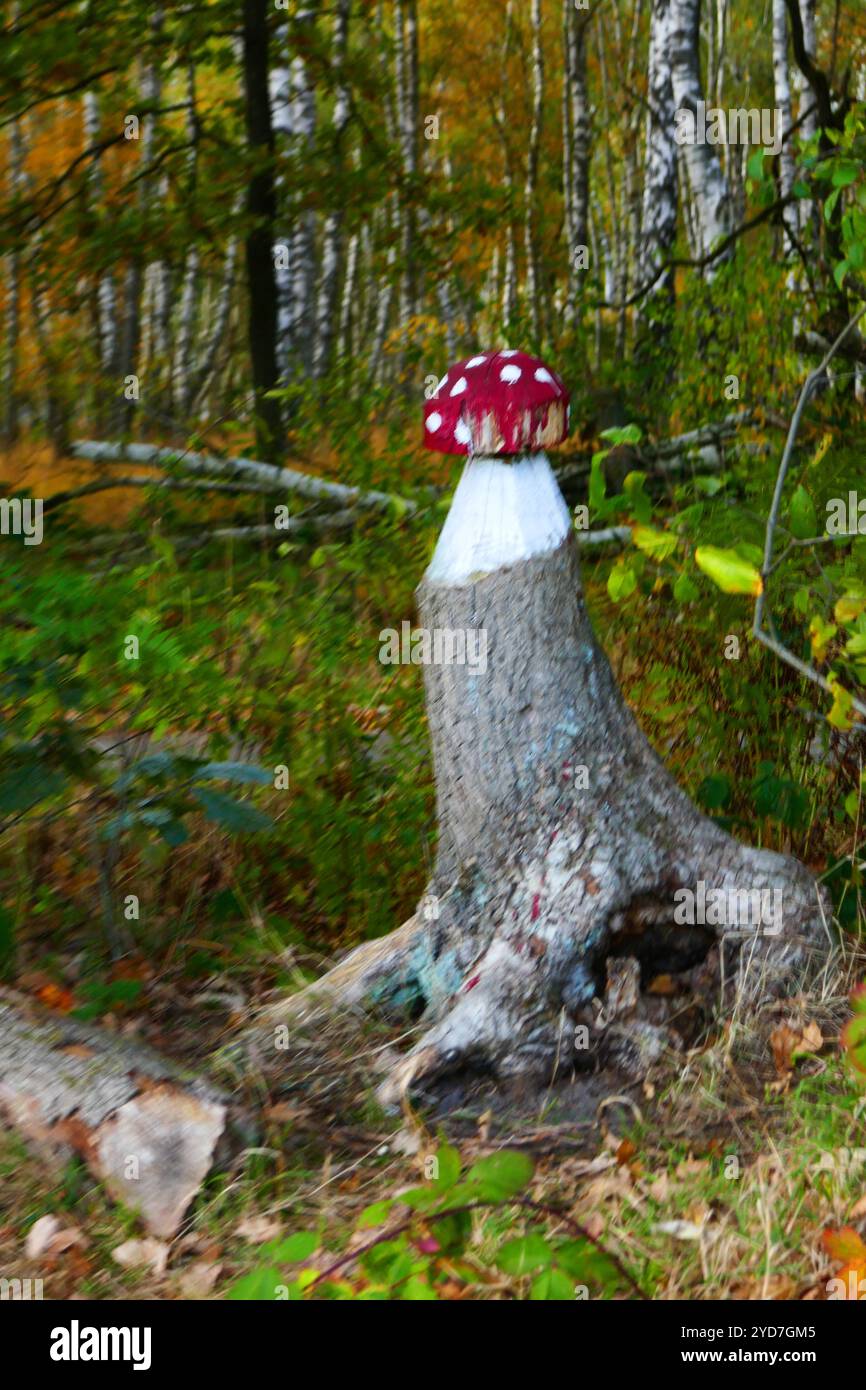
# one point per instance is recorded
(261, 283)
(708, 184)
(782, 100)
(106, 297)
(576, 148)
(151, 87)
(302, 253)
(658, 228)
(326, 306)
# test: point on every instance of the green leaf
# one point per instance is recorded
(659, 545)
(755, 164)
(261, 1285)
(417, 1290)
(685, 590)
(728, 571)
(552, 1285)
(854, 1033)
(448, 1167)
(802, 517)
(844, 173)
(840, 714)
(715, 791)
(625, 434)
(298, 1247)
(376, 1214)
(237, 816)
(524, 1254)
(621, 582)
(501, 1175)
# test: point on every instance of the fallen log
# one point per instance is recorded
(148, 1129)
(270, 476)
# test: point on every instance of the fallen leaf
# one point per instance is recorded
(847, 1246)
(40, 1235)
(406, 1141)
(138, 1254)
(259, 1229)
(788, 1043)
(662, 984)
(198, 1280)
(680, 1230)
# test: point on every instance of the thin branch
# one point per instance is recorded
(758, 630)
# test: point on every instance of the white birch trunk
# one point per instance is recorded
(106, 298)
(302, 255)
(660, 189)
(183, 357)
(280, 91)
(708, 183)
(326, 306)
(782, 99)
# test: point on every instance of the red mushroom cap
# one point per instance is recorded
(497, 403)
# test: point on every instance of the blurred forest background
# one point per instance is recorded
(241, 242)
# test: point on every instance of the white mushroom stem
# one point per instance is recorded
(505, 511)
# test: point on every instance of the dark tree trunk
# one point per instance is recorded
(261, 205)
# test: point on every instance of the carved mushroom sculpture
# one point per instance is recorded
(497, 403)
(560, 832)
(502, 409)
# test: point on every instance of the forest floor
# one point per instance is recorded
(716, 1177)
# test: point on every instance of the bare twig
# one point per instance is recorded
(767, 638)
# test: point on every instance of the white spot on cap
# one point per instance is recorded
(508, 352)
(459, 387)
(443, 382)
(542, 374)
(510, 374)
(434, 420)
(462, 433)
(476, 362)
